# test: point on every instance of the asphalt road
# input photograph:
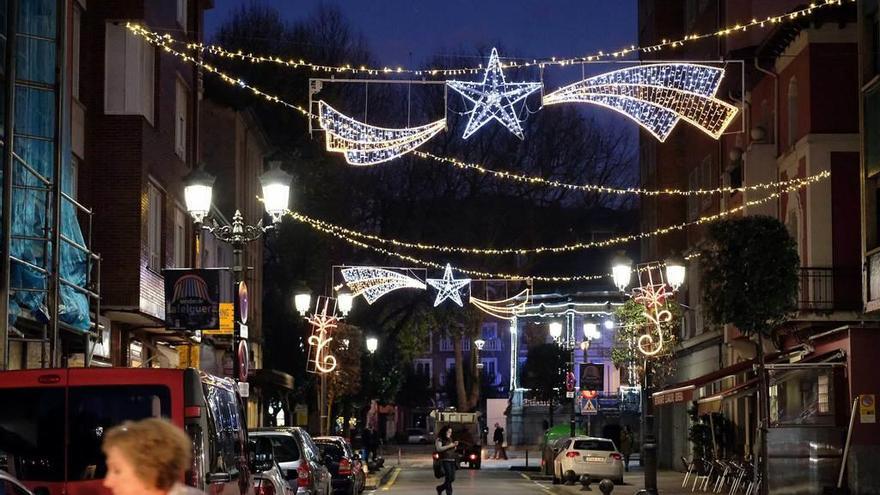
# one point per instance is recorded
(418, 480)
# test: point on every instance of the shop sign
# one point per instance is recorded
(867, 408)
(673, 396)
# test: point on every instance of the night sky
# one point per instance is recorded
(396, 29)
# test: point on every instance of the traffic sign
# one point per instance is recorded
(589, 407)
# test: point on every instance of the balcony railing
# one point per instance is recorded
(829, 289)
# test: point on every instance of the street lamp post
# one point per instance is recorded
(591, 331)
(198, 191)
(652, 291)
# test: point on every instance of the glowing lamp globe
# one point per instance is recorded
(276, 190)
(344, 301)
(197, 192)
(591, 331)
(302, 299)
(621, 271)
(675, 272)
(556, 330)
(479, 343)
(372, 344)
(609, 324)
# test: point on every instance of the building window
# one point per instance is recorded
(446, 344)
(490, 369)
(154, 227)
(179, 238)
(423, 367)
(822, 395)
(75, 49)
(129, 73)
(181, 13)
(792, 111)
(181, 106)
(490, 330)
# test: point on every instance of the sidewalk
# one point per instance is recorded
(378, 478)
(668, 483)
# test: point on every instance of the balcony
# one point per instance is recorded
(829, 289)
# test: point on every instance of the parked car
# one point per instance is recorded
(299, 458)
(418, 435)
(597, 458)
(344, 464)
(268, 476)
(68, 410)
(11, 486)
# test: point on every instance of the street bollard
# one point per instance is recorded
(527, 457)
(570, 477)
(585, 483)
(606, 486)
(398, 456)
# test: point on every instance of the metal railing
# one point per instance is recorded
(829, 289)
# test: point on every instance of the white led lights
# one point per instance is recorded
(373, 283)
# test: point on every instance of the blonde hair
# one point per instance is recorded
(159, 452)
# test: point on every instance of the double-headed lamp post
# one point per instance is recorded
(591, 331)
(198, 193)
(655, 292)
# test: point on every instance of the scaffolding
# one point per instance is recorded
(49, 276)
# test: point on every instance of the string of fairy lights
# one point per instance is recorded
(354, 238)
(327, 226)
(163, 42)
(769, 21)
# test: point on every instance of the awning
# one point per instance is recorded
(712, 403)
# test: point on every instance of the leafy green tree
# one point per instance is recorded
(749, 272)
(544, 374)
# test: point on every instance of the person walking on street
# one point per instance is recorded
(626, 445)
(147, 457)
(445, 447)
(498, 438)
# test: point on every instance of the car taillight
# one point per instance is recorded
(473, 457)
(302, 475)
(616, 456)
(263, 487)
(572, 454)
(344, 467)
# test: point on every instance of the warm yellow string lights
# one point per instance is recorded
(505, 309)
(348, 236)
(326, 226)
(534, 180)
(162, 41)
(771, 20)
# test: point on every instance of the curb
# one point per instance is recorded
(382, 478)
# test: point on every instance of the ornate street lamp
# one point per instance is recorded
(608, 324)
(656, 284)
(556, 330)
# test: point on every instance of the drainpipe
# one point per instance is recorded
(775, 103)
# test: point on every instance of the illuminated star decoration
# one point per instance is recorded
(448, 287)
(493, 98)
(373, 282)
(364, 144)
(657, 96)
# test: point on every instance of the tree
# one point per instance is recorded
(632, 323)
(749, 271)
(544, 373)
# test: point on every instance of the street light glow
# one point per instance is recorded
(675, 272)
(555, 330)
(372, 344)
(197, 193)
(591, 331)
(621, 271)
(276, 190)
(344, 302)
(479, 343)
(609, 324)
(302, 299)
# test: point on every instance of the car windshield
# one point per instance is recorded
(604, 445)
(285, 448)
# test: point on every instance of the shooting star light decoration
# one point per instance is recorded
(657, 96)
(493, 98)
(448, 287)
(373, 282)
(364, 144)
(505, 309)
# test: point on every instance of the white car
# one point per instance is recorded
(417, 435)
(596, 457)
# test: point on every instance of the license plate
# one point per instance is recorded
(595, 459)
